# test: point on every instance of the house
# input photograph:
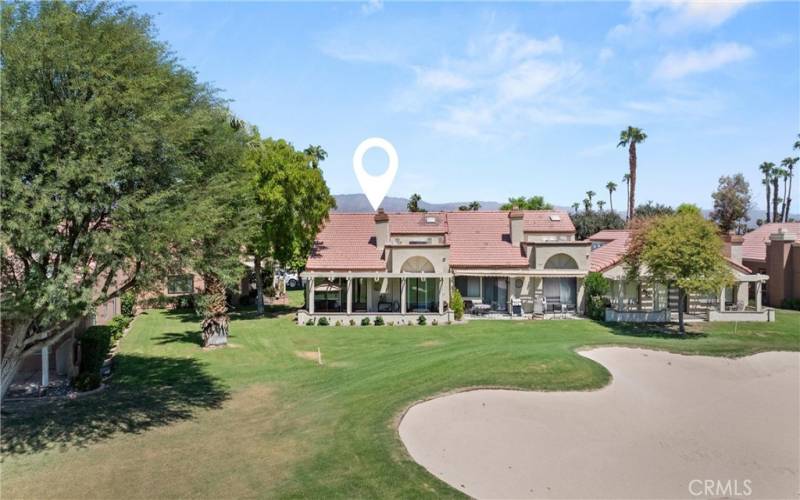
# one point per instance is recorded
(774, 249)
(639, 300)
(403, 265)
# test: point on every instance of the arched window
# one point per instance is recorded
(417, 265)
(561, 261)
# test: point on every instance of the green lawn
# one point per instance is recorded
(258, 419)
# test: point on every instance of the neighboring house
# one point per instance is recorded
(403, 265)
(774, 249)
(639, 300)
(62, 357)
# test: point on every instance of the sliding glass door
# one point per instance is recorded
(422, 295)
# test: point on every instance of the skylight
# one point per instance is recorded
(430, 219)
(555, 217)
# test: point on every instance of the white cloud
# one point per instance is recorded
(372, 6)
(441, 79)
(605, 54)
(676, 16)
(678, 65)
(531, 78)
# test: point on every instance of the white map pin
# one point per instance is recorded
(375, 186)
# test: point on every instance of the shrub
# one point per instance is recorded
(791, 304)
(118, 324)
(95, 345)
(379, 321)
(421, 320)
(323, 321)
(597, 286)
(352, 322)
(457, 305)
(128, 303)
(310, 322)
(338, 323)
(86, 381)
(365, 322)
(434, 323)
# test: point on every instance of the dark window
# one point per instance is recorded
(180, 284)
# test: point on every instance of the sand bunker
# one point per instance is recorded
(664, 423)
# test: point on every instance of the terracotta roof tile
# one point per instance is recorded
(547, 221)
(347, 241)
(417, 223)
(611, 253)
(481, 239)
(754, 244)
(609, 235)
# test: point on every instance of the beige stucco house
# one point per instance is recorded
(641, 300)
(403, 265)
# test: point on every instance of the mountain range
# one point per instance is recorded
(358, 203)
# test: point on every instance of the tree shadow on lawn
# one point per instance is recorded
(146, 392)
(653, 330)
(189, 336)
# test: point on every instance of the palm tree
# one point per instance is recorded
(413, 203)
(797, 143)
(789, 164)
(631, 137)
(766, 169)
(601, 204)
(315, 154)
(587, 205)
(472, 206)
(777, 173)
(590, 194)
(611, 186)
(576, 206)
(627, 180)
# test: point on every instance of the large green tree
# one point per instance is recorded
(589, 222)
(630, 137)
(522, 203)
(731, 203)
(99, 127)
(683, 249)
(293, 202)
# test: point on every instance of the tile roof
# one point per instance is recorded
(477, 239)
(754, 244)
(417, 223)
(481, 239)
(542, 221)
(611, 253)
(346, 242)
(609, 235)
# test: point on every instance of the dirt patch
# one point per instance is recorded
(308, 355)
(430, 343)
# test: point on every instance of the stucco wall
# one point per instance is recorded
(539, 254)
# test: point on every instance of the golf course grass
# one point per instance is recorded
(262, 418)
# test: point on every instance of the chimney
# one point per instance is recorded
(381, 229)
(516, 222)
(733, 247)
(779, 247)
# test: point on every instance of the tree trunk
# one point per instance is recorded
(627, 200)
(788, 200)
(768, 198)
(775, 217)
(784, 214)
(216, 322)
(15, 332)
(632, 183)
(610, 202)
(259, 285)
(681, 299)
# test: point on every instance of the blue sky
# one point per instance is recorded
(486, 101)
